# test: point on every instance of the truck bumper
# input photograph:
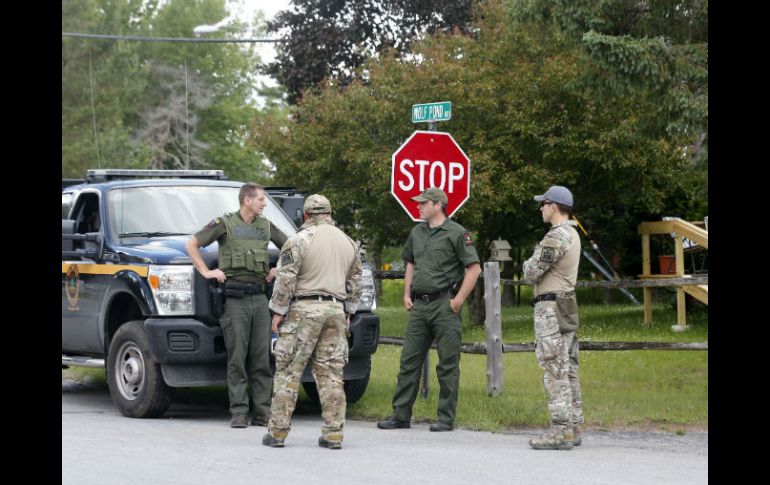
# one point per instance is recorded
(193, 354)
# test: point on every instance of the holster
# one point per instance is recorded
(217, 299)
(567, 311)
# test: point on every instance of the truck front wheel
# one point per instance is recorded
(136, 383)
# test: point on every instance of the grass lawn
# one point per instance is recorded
(666, 390)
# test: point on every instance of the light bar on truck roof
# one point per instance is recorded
(103, 175)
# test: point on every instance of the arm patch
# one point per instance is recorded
(214, 222)
(547, 255)
(286, 258)
(467, 239)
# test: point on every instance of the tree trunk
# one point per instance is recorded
(476, 303)
(377, 265)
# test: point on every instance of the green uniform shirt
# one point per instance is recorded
(216, 230)
(439, 254)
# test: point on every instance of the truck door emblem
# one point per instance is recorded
(72, 288)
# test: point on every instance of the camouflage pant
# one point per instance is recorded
(313, 330)
(557, 354)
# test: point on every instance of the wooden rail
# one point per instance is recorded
(481, 347)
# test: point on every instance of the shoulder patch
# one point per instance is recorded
(286, 258)
(214, 222)
(547, 255)
(467, 239)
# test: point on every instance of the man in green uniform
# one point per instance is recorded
(243, 237)
(439, 254)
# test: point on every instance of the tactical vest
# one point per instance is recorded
(244, 252)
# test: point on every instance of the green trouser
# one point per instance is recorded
(426, 322)
(246, 328)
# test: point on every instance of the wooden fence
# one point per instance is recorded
(494, 347)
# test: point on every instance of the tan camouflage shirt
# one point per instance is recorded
(319, 260)
(553, 266)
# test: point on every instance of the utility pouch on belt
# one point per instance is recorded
(217, 299)
(567, 312)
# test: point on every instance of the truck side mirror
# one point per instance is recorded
(67, 227)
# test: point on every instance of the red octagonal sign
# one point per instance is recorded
(430, 159)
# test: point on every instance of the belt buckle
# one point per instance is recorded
(425, 298)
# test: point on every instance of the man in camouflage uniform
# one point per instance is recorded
(316, 292)
(244, 268)
(439, 253)
(553, 271)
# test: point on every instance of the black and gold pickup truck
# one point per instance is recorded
(132, 302)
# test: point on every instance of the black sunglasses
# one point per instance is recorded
(545, 202)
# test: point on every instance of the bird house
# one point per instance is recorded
(499, 250)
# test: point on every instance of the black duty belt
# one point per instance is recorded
(429, 297)
(544, 297)
(317, 298)
(237, 289)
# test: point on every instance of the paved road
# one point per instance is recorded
(193, 444)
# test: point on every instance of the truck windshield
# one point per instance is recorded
(171, 210)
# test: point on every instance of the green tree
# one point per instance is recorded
(522, 114)
(95, 88)
(331, 38)
(153, 100)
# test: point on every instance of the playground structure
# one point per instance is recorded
(680, 230)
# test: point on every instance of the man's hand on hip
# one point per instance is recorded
(408, 303)
(217, 274)
(455, 304)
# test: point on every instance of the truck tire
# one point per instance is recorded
(354, 388)
(136, 383)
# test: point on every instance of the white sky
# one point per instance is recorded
(246, 9)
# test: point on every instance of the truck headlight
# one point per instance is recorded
(367, 302)
(172, 289)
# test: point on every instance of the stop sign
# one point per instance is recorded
(430, 159)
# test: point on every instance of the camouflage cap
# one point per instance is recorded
(557, 193)
(317, 204)
(434, 193)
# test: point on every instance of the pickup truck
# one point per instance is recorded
(132, 302)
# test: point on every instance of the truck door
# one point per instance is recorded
(84, 283)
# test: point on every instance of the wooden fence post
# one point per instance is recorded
(493, 328)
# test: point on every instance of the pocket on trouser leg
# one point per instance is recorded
(548, 348)
(546, 321)
(285, 347)
(226, 323)
(551, 355)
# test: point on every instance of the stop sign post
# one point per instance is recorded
(430, 159)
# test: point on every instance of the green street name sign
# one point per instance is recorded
(423, 113)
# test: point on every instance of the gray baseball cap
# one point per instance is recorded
(434, 193)
(317, 204)
(557, 193)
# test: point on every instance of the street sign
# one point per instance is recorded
(430, 112)
(430, 159)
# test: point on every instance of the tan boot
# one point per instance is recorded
(553, 440)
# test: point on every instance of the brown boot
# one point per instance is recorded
(239, 421)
